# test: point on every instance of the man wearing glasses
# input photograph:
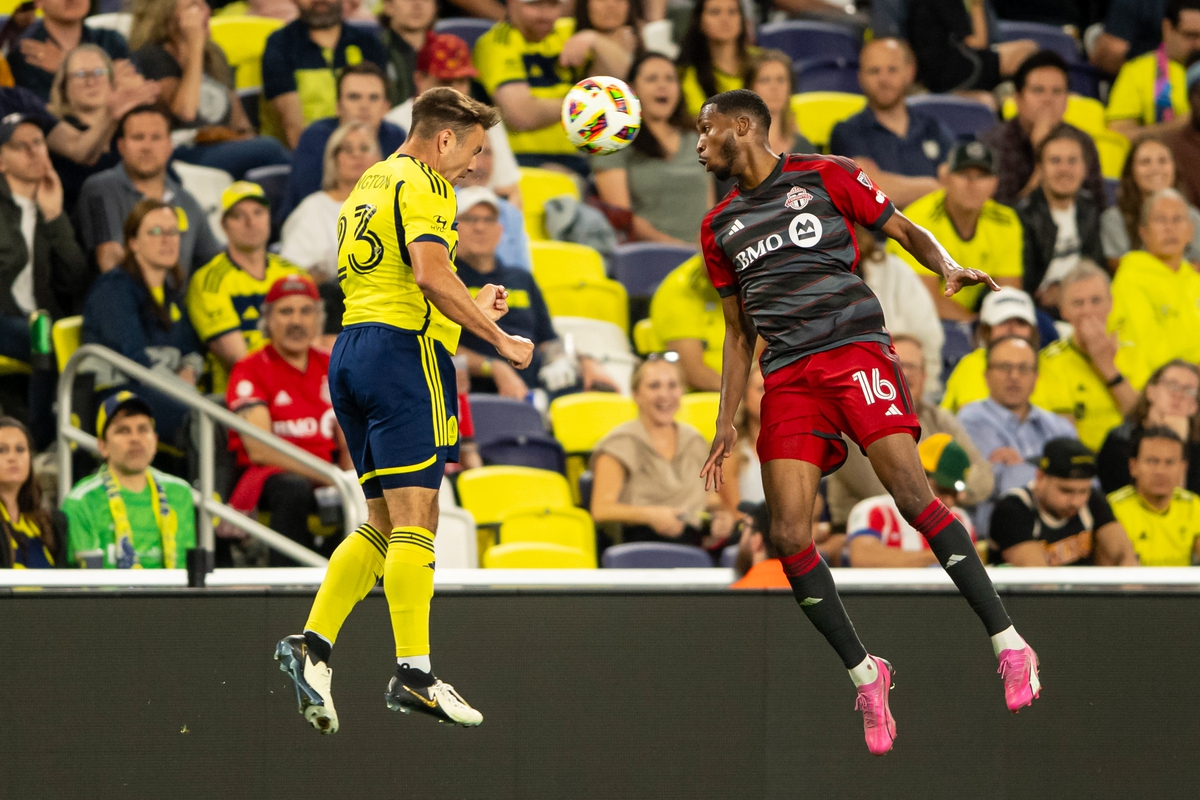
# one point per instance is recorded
(40, 259)
(1006, 427)
(43, 47)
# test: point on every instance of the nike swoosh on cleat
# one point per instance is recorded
(429, 703)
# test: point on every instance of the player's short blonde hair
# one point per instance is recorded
(444, 108)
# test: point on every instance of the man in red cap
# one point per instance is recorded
(445, 60)
(284, 388)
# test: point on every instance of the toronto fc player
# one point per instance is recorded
(780, 250)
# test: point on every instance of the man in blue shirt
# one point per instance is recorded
(301, 61)
(361, 97)
(552, 368)
(1007, 428)
(43, 46)
(899, 147)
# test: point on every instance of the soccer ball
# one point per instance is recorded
(601, 115)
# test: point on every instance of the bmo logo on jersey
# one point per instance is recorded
(804, 231)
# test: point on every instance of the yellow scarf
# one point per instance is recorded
(168, 522)
(23, 527)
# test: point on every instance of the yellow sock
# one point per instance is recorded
(353, 570)
(408, 582)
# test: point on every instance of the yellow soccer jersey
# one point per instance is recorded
(397, 202)
(1156, 315)
(997, 247)
(1132, 95)
(222, 298)
(1068, 385)
(686, 306)
(694, 94)
(503, 56)
(1161, 538)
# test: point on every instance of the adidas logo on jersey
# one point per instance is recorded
(893, 411)
(734, 228)
(283, 398)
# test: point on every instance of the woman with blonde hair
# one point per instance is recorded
(171, 44)
(309, 237)
(32, 538)
(646, 469)
(89, 92)
(770, 76)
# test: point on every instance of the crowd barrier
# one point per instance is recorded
(600, 684)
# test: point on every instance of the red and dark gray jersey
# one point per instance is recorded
(788, 248)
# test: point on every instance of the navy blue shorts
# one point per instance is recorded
(395, 396)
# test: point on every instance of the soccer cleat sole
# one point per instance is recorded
(405, 708)
(311, 706)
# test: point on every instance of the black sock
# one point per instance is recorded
(955, 551)
(320, 649)
(415, 677)
(812, 583)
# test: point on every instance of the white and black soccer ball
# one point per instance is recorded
(601, 115)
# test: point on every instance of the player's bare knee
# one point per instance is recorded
(790, 537)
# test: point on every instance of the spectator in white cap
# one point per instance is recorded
(1008, 312)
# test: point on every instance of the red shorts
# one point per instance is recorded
(856, 389)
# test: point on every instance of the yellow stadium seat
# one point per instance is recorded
(595, 299)
(581, 420)
(645, 339)
(571, 527)
(538, 186)
(67, 335)
(558, 263)
(535, 555)
(490, 492)
(817, 112)
(1085, 113)
(13, 366)
(243, 40)
(699, 410)
(1113, 148)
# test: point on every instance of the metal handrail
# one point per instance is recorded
(209, 412)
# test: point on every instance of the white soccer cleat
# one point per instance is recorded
(312, 680)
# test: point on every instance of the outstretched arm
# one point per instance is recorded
(735, 371)
(933, 256)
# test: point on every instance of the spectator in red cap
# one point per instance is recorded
(284, 388)
(445, 60)
(361, 97)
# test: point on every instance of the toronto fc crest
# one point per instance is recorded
(797, 198)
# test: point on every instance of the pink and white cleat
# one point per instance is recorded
(1019, 668)
(879, 727)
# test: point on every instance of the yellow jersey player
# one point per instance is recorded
(392, 385)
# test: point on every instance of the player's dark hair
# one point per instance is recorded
(742, 102)
(583, 20)
(147, 108)
(1141, 409)
(646, 142)
(1155, 432)
(1040, 59)
(997, 342)
(1175, 9)
(162, 311)
(1060, 131)
(694, 50)
(363, 68)
(441, 108)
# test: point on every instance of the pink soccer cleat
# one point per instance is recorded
(1019, 668)
(879, 727)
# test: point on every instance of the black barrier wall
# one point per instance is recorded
(174, 695)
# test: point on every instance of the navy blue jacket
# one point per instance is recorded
(119, 314)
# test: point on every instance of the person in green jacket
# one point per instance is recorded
(127, 515)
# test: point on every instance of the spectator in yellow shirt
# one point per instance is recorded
(687, 318)
(1156, 293)
(1150, 92)
(977, 231)
(715, 53)
(1008, 312)
(1078, 376)
(1162, 519)
(528, 63)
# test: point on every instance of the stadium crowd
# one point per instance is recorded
(173, 172)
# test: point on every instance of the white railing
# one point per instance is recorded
(208, 413)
